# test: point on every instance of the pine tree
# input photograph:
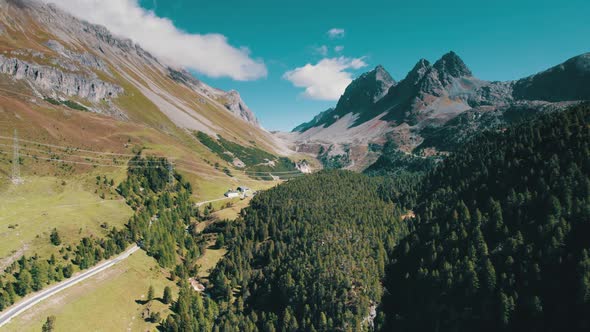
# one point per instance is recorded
(54, 237)
(150, 293)
(167, 297)
(24, 283)
(489, 276)
(49, 325)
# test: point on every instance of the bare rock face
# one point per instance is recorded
(315, 122)
(235, 104)
(55, 81)
(86, 60)
(492, 94)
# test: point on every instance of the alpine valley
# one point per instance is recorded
(136, 197)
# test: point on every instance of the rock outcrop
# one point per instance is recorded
(234, 103)
(68, 59)
(85, 60)
(53, 81)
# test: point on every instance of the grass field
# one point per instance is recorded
(110, 301)
(232, 212)
(209, 260)
(212, 256)
(44, 203)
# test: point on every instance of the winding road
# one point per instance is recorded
(33, 299)
(213, 200)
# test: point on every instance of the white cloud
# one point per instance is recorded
(339, 48)
(209, 54)
(336, 33)
(325, 80)
(322, 50)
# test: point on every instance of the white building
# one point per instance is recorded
(232, 194)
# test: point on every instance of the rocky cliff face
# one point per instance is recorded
(234, 103)
(423, 113)
(54, 82)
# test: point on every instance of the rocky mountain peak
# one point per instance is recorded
(382, 75)
(452, 65)
(234, 103)
(420, 69)
(439, 106)
(366, 89)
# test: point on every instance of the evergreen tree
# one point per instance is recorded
(150, 293)
(49, 325)
(167, 296)
(54, 237)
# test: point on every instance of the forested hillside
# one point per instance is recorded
(307, 255)
(498, 243)
(500, 238)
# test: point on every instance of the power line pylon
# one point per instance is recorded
(16, 179)
(170, 174)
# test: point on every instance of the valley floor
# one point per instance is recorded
(118, 293)
(84, 305)
(30, 211)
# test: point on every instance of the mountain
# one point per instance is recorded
(357, 98)
(493, 239)
(317, 121)
(95, 132)
(67, 82)
(68, 86)
(432, 110)
(567, 81)
(59, 60)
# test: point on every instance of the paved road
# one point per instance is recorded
(30, 301)
(213, 200)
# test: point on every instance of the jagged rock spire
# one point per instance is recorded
(451, 65)
(366, 89)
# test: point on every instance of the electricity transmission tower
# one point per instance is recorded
(16, 179)
(170, 174)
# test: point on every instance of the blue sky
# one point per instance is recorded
(499, 40)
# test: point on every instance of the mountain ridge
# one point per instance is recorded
(431, 95)
(69, 83)
(63, 55)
